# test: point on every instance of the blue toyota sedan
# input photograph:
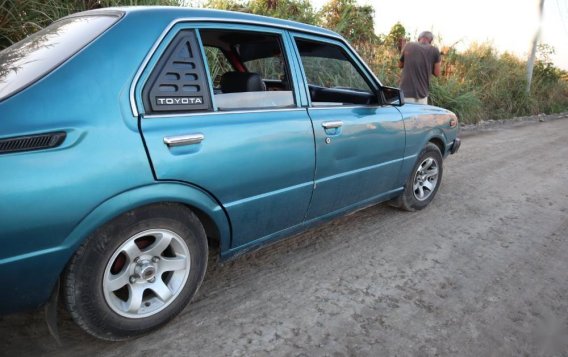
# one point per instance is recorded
(132, 139)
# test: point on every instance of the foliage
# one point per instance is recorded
(230, 5)
(296, 10)
(21, 18)
(498, 81)
(354, 22)
(397, 36)
(477, 83)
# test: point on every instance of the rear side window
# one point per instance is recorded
(218, 64)
(268, 67)
(25, 62)
(257, 77)
(179, 81)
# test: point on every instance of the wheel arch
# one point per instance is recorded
(206, 208)
(439, 142)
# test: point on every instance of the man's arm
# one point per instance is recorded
(436, 70)
(401, 58)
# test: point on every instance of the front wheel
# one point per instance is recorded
(137, 272)
(423, 182)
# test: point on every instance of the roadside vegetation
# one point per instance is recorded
(478, 83)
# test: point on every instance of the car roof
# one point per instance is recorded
(173, 13)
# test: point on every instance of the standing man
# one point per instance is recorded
(418, 61)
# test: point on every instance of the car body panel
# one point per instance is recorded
(253, 176)
(251, 189)
(361, 159)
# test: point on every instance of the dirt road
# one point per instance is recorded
(483, 271)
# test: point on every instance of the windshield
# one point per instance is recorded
(25, 62)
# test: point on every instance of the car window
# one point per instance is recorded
(331, 75)
(178, 82)
(25, 62)
(257, 74)
(271, 68)
(218, 64)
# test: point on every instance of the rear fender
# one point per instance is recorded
(155, 193)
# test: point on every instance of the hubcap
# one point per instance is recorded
(425, 179)
(146, 273)
(145, 270)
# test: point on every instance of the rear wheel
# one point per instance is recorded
(137, 272)
(423, 182)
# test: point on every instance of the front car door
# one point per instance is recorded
(359, 143)
(220, 112)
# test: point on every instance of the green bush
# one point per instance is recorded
(457, 96)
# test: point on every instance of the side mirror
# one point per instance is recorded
(391, 96)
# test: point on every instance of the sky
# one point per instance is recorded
(510, 25)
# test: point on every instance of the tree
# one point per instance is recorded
(230, 5)
(352, 21)
(296, 10)
(397, 36)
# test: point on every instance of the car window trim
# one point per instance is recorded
(353, 58)
(295, 30)
(336, 107)
(223, 112)
(209, 80)
(168, 56)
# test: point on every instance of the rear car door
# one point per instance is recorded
(209, 118)
(359, 143)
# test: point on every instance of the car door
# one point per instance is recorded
(252, 150)
(359, 143)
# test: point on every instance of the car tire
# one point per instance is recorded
(137, 272)
(423, 182)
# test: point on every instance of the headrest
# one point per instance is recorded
(232, 82)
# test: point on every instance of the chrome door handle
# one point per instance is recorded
(332, 124)
(180, 140)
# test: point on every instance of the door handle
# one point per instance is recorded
(180, 140)
(332, 124)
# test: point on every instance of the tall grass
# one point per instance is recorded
(486, 84)
(21, 18)
(481, 83)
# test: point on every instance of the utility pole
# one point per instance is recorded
(530, 63)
